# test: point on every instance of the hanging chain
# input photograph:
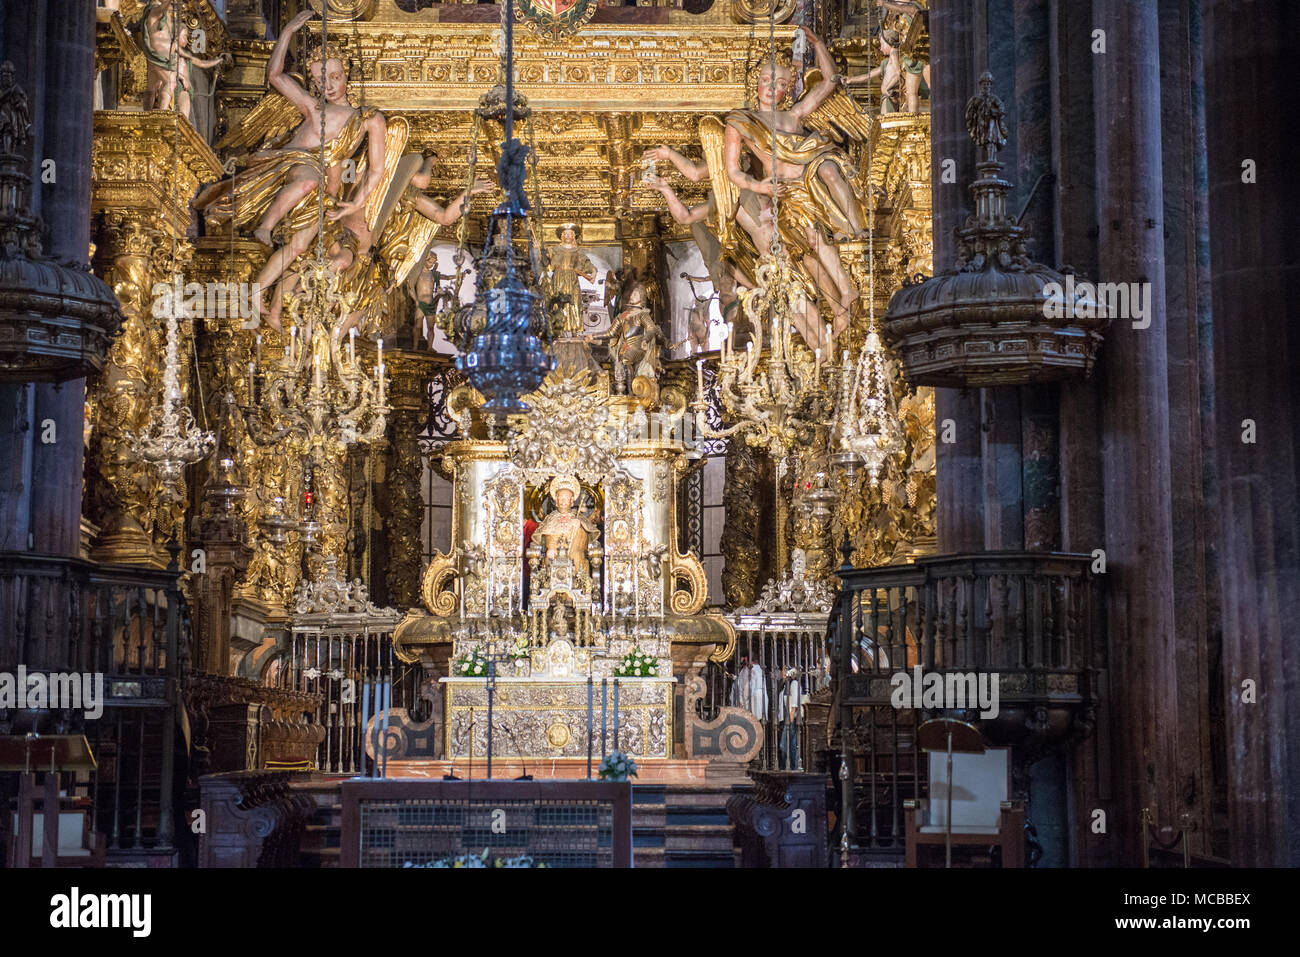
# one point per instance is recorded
(324, 172)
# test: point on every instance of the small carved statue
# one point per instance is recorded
(568, 262)
(986, 119)
(170, 64)
(15, 113)
(636, 342)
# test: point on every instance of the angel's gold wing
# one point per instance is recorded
(404, 233)
(838, 117)
(726, 195)
(396, 134)
(271, 117)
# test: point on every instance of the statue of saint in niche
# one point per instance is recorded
(565, 533)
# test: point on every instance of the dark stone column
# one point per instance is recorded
(1003, 498)
(958, 473)
(52, 48)
(1190, 440)
(1073, 243)
(1134, 385)
(1251, 113)
(65, 205)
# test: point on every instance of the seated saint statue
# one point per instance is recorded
(565, 532)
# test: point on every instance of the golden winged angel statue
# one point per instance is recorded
(378, 223)
(803, 151)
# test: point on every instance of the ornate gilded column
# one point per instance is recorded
(118, 494)
(144, 167)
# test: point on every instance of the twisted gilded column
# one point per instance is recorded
(401, 502)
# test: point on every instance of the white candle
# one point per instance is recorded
(817, 364)
(252, 377)
(380, 361)
(293, 342)
(258, 360)
(699, 378)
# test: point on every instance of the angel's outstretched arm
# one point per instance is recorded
(678, 210)
(695, 172)
(284, 84)
(830, 77)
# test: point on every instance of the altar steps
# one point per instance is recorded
(675, 826)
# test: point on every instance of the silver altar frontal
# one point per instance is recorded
(563, 574)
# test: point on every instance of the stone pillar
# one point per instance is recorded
(1133, 376)
(1249, 113)
(52, 48)
(953, 72)
(1193, 492)
(65, 206)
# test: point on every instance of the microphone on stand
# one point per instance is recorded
(519, 752)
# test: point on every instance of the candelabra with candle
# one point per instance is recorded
(762, 402)
(171, 441)
(318, 399)
(867, 431)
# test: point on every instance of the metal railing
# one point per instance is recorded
(350, 674)
(775, 655)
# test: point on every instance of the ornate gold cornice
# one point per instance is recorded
(136, 156)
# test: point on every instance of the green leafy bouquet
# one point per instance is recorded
(637, 664)
(616, 766)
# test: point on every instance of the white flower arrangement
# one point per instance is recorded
(472, 665)
(616, 766)
(637, 664)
